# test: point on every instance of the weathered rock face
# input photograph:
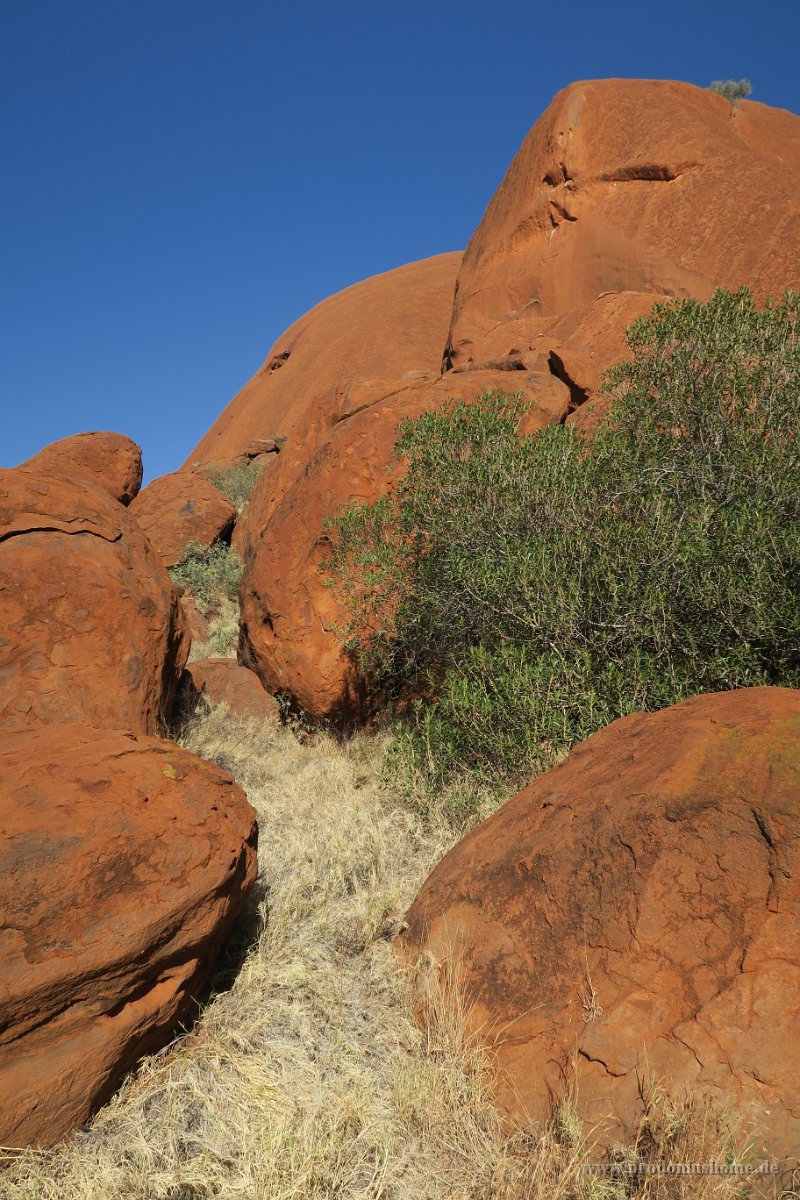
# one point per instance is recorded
(124, 861)
(224, 681)
(91, 628)
(623, 194)
(290, 619)
(180, 508)
(109, 461)
(635, 913)
(388, 325)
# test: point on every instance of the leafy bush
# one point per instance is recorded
(731, 89)
(236, 482)
(532, 589)
(212, 574)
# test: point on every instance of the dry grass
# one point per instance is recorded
(223, 632)
(309, 1078)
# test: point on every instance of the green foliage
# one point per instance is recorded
(212, 574)
(236, 482)
(532, 589)
(731, 89)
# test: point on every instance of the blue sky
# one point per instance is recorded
(182, 179)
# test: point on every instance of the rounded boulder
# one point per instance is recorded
(124, 861)
(225, 681)
(634, 916)
(180, 508)
(106, 460)
(91, 627)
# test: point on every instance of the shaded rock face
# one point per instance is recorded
(109, 461)
(635, 913)
(623, 193)
(224, 681)
(180, 508)
(124, 861)
(289, 617)
(91, 628)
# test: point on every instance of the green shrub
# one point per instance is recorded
(731, 89)
(212, 574)
(236, 482)
(533, 589)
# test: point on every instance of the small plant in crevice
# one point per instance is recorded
(211, 573)
(236, 482)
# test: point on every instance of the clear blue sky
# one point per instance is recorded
(182, 179)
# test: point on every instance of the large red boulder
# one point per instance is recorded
(109, 461)
(634, 915)
(291, 621)
(124, 861)
(91, 627)
(180, 508)
(624, 192)
(224, 681)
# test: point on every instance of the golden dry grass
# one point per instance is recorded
(309, 1078)
(223, 632)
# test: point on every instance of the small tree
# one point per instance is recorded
(211, 573)
(235, 482)
(731, 89)
(532, 589)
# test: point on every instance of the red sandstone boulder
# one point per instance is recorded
(124, 861)
(291, 622)
(90, 624)
(224, 681)
(109, 461)
(624, 192)
(635, 913)
(198, 624)
(177, 509)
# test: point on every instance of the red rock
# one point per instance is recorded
(224, 681)
(124, 861)
(91, 628)
(635, 914)
(291, 622)
(624, 191)
(177, 509)
(387, 325)
(198, 625)
(109, 461)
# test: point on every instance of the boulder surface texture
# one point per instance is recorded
(109, 461)
(91, 627)
(224, 681)
(634, 915)
(123, 861)
(180, 508)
